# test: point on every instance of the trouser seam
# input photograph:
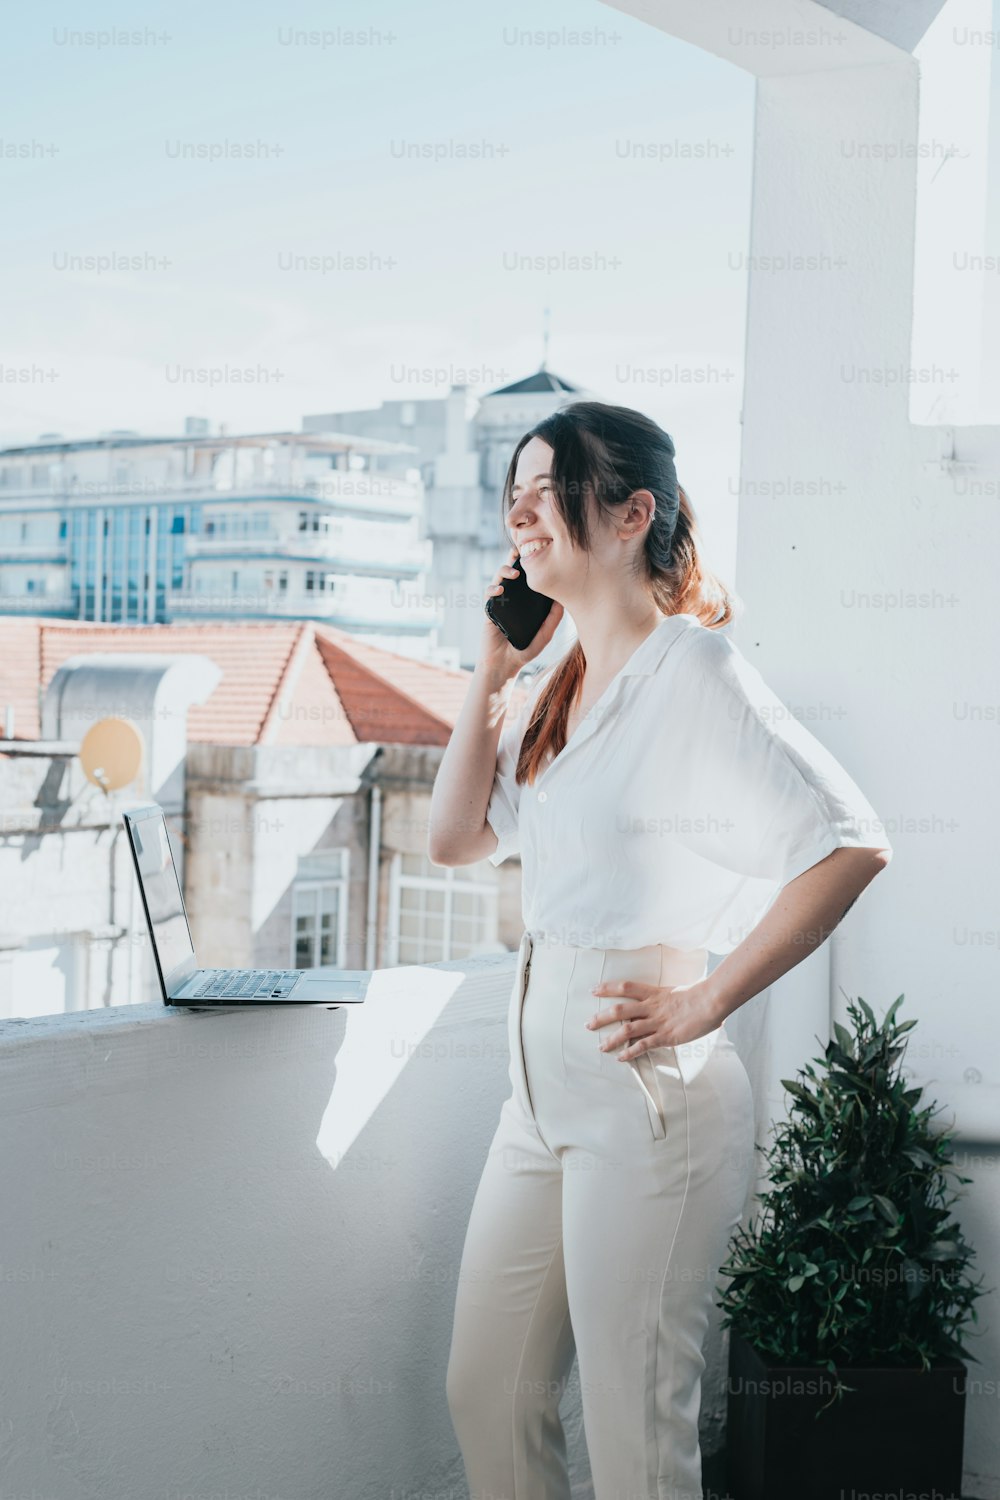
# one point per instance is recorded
(515, 1448)
(666, 1268)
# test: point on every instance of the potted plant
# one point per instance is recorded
(849, 1289)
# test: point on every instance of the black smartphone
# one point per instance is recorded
(520, 610)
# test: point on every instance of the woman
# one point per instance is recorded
(664, 806)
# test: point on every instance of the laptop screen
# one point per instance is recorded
(162, 891)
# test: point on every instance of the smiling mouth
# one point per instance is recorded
(535, 548)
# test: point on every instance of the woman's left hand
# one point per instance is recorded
(655, 1016)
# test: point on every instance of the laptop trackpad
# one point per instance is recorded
(315, 987)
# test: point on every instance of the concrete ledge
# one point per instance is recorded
(233, 1239)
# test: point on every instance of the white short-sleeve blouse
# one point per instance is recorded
(678, 808)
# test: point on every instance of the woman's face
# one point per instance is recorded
(558, 568)
(534, 514)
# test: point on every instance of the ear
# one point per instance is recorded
(641, 509)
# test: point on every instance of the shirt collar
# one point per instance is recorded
(650, 652)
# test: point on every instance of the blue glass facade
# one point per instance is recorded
(120, 554)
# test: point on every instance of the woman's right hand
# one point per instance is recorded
(496, 654)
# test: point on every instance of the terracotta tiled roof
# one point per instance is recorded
(283, 682)
(20, 671)
(380, 688)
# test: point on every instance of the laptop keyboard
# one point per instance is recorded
(248, 984)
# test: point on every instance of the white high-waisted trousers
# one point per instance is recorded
(604, 1211)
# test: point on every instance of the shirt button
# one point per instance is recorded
(542, 796)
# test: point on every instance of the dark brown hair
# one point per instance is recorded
(609, 452)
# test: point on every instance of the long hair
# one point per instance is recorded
(609, 452)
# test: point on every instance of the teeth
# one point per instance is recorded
(533, 547)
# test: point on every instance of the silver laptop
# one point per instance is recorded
(182, 981)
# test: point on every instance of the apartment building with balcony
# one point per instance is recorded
(124, 528)
(383, 522)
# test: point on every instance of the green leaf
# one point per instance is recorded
(844, 1038)
(795, 1088)
(794, 1282)
(886, 1207)
(802, 1094)
(887, 1023)
(869, 1013)
(919, 1156)
(943, 1250)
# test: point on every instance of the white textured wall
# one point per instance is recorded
(231, 1242)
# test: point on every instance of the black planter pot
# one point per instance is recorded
(899, 1431)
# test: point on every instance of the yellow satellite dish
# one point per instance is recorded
(111, 753)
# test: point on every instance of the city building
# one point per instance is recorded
(132, 529)
(383, 522)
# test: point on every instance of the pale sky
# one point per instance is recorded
(104, 154)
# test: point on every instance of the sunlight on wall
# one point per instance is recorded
(383, 1035)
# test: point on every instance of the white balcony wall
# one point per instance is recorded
(233, 1241)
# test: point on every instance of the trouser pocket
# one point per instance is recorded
(650, 1080)
(662, 1070)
